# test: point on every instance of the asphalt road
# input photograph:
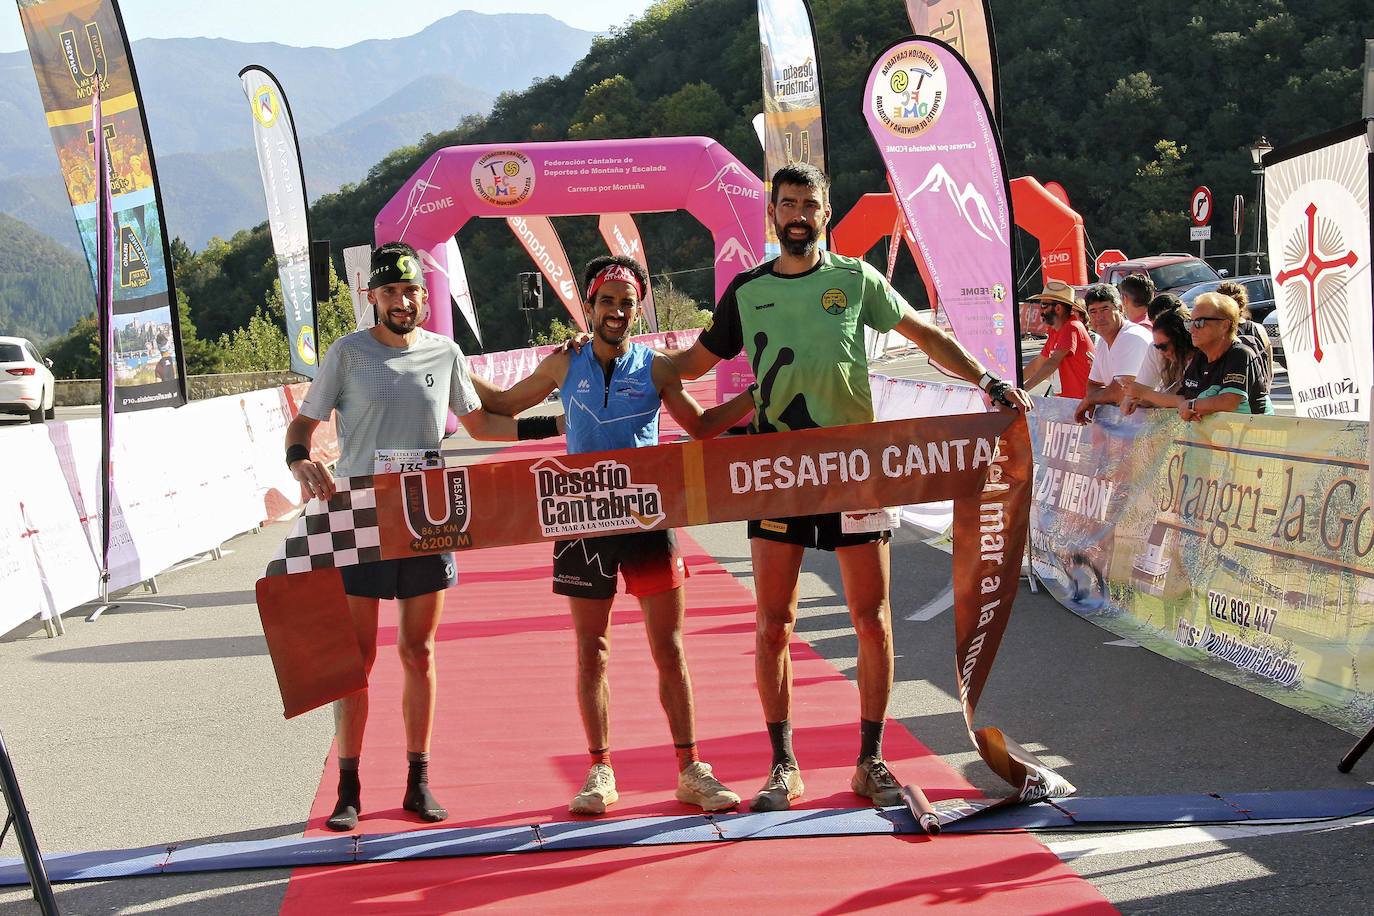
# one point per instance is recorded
(152, 726)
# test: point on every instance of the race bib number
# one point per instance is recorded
(399, 460)
(869, 522)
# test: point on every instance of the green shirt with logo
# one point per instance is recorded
(804, 334)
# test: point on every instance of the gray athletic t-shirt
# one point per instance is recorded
(389, 398)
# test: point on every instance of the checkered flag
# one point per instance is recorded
(341, 532)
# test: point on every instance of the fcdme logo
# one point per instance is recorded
(574, 501)
(504, 178)
(447, 530)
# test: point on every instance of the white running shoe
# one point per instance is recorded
(597, 792)
(696, 786)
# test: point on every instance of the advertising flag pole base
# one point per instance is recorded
(105, 604)
(23, 830)
(1353, 755)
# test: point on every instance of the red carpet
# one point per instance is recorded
(508, 749)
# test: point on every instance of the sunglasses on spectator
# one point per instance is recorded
(1200, 322)
(1160, 346)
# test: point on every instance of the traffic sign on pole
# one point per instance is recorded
(1200, 205)
(1200, 209)
(1107, 258)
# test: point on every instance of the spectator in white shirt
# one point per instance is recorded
(1121, 356)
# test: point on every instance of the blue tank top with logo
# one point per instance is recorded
(603, 412)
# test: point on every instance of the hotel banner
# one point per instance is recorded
(1240, 545)
(621, 235)
(1317, 206)
(78, 47)
(793, 117)
(981, 461)
(966, 26)
(934, 132)
(288, 213)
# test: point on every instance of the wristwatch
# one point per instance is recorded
(1192, 405)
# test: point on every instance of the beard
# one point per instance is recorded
(797, 247)
(610, 336)
(401, 329)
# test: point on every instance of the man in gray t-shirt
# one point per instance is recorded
(391, 387)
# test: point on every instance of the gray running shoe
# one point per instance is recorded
(784, 784)
(697, 786)
(597, 792)
(873, 780)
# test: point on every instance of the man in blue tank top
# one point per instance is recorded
(611, 393)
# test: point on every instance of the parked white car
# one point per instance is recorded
(26, 380)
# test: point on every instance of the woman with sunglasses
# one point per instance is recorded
(1174, 344)
(1227, 375)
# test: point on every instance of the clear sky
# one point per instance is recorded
(333, 23)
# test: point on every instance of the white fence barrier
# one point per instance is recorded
(186, 480)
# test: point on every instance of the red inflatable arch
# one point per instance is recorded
(1053, 223)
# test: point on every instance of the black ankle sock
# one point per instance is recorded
(870, 739)
(418, 797)
(780, 734)
(349, 804)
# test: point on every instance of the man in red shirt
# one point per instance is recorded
(1068, 349)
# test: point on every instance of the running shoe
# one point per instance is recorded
(597, 792)
(784, 784)
(696, 786)
(873, 780)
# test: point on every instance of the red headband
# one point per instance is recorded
(614, 272)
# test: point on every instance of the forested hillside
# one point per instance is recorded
(44, 288)
(1127, 105)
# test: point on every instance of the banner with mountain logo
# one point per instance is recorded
(944, 160)
(288, 214)
(78, 47)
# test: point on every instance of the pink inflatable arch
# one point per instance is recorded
(579, 178)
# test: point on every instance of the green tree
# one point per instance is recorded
(77, 353)
(611, 108)
(262, 345)
(676, 310)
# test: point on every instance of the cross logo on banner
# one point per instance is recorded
(1312, 266)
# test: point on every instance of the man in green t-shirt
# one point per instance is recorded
(801, 318)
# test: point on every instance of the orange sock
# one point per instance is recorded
(600, 755)
(686, 755)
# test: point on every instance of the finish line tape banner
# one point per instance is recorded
(981, 461)
(1242, 546)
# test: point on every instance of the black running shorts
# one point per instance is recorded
(823, 531)
(408, 577)
(649, 560)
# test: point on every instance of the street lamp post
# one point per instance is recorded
(1257, 151)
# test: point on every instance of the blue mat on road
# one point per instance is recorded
(1060, 814)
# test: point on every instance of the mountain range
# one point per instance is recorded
(352, 106)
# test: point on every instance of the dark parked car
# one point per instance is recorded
(1259, 286)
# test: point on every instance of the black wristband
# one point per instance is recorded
(997, 390)
(536, 427)
(296, 453)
